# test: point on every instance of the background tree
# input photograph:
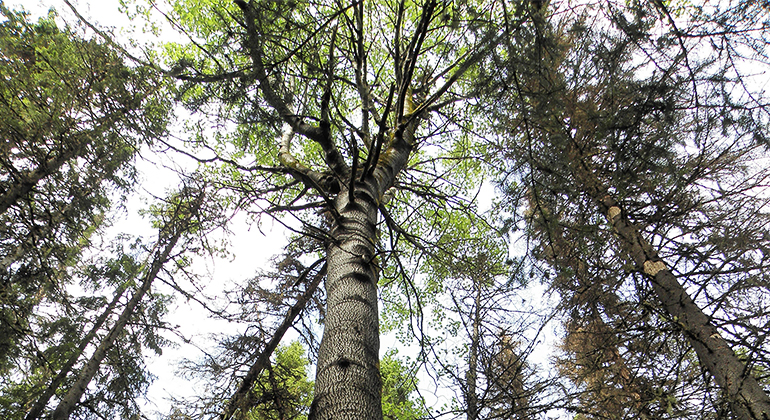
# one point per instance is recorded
(182, 216)
(73, 116)
(264, 309)
(398, 388)
(92, 364)
(630, 162)
(283, 390)
(471, 321)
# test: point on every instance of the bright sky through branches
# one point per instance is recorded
(250, 247)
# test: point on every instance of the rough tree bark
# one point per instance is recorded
(348, 384)
(348, 380)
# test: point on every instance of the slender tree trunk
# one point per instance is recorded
(748, 399)
(75, 393)
(42, 401)
(471, 375)
(68, 402)
(241, 399)
(348, 384)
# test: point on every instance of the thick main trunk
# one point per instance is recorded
(348, 384)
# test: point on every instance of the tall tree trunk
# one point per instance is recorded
(748, 399)
(177, 227)
(42, 401)
(348, 384)
(241, 399)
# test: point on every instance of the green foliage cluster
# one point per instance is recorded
(398, 387)
(283, 391)
(72, 117)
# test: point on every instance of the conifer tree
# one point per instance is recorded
(341, 116)
(72, 117)
(631, 169)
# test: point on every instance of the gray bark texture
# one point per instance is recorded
(348, 381)
(748, 399)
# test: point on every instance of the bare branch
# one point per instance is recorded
(241, 398)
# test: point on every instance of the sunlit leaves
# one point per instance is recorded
(284, 390)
